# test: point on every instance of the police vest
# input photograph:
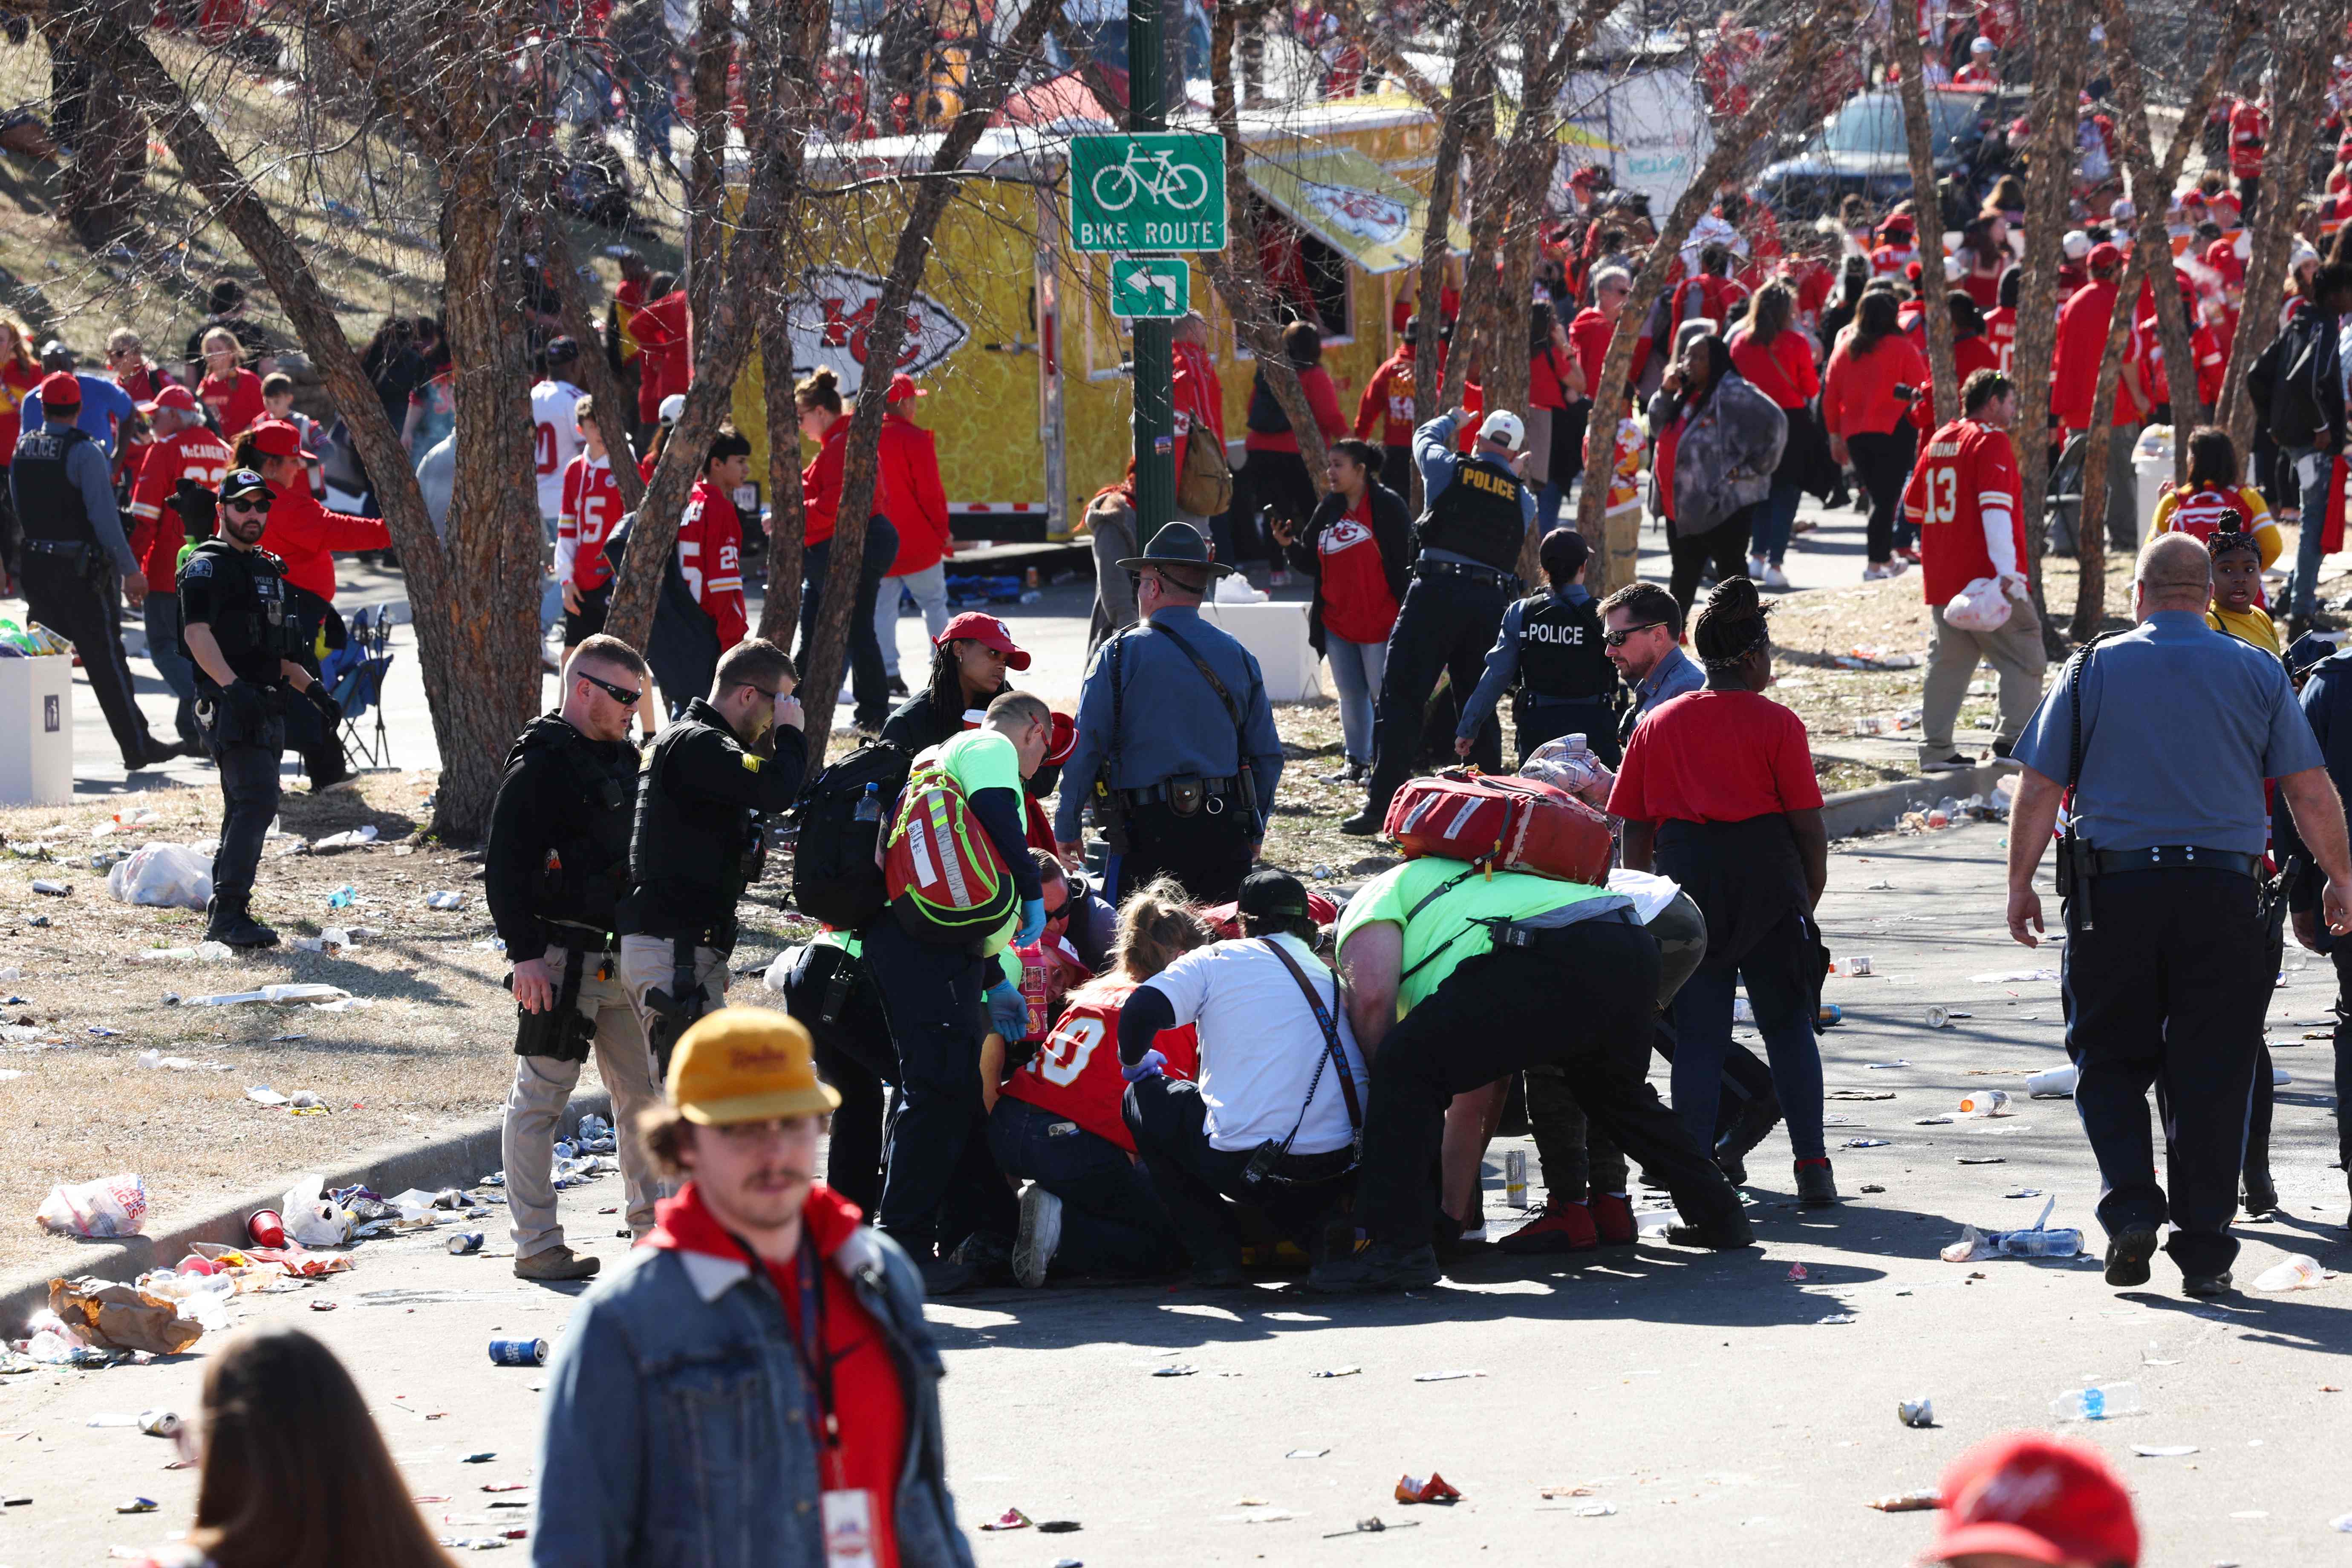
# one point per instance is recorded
(1560, 655)
(49, 503)
(587, 866)
(703, 845)
(1478, 514)
(255, 623)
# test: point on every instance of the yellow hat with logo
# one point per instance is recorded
(747, 1064)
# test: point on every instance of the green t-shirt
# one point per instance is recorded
(1440, 936)
(979, 760)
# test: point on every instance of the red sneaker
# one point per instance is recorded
(1613, 1219)
(1561, 1227)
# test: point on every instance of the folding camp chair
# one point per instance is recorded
(354, 674)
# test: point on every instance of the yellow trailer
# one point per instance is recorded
(1026, 369)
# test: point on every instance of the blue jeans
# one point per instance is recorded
(1111, 1220)
(2303, 588)
(1769, 537)
(164, 653)
(1355, 670)
(1779, 990)
(1547, 500)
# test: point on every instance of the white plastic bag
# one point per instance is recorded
(116, 1205)
(312, 1217)
(175, 876)
(1981, 606)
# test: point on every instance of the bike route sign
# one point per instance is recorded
(1149, 191)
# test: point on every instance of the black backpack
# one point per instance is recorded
(836, 873)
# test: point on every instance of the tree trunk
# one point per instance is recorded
(2058, 25)
(2301, 50)
(1809, 37)
(2152, 187)
(1471, 42)
(613, 406)
(2091, 529)
(779, 612)
(1928, 218)
(100, 188)
(706, 170)
(829, 638)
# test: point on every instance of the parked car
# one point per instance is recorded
(1861, 149)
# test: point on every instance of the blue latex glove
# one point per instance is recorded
(1032, 923)
(1008, 1011)
(1149, 1066)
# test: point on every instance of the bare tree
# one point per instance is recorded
(2058, 27)
(1927, 217)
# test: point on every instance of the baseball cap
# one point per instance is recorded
(276, 438)
(902, 388)
(1064, 742)
(2036, 1498)
(2077, 245)
(1982, 46)
(987, 631)
(561, 351)
(1274, 895)
(243, 484)
(60, 389)
(1503, 429)
(54, 355)
(747, 1064)
(172, 396)
(2102, 256)
(672, 406)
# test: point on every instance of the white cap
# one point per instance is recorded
(2123, 211)
(2077, 245)
(672, 406)
(1503, 429)
(2302, 255)
(1982, 46)
(1954, 269)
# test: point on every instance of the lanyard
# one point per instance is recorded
(808, 1343)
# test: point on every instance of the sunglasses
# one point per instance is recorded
(261, 506)
(1619, 638)
(620, 694)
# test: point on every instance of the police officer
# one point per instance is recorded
(73, 543)
(1176, 745)
(1550, 656)
(1477, 509)
(2165, 733)
(697, 843)
(239, 628)
(555, 867)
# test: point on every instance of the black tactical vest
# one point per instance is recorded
(698, 847)
(1560, 655)
(49, 503)
(253, 620)
(587, 868)
(1477, 515)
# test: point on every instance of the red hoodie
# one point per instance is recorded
(867, 1398)
(305, 535)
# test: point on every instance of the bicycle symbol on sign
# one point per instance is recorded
(1180, 186)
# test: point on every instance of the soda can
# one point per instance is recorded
(519, 1352)
(158, 1423)
(1515, 1178)
(1920, 1412)
(465, 1241)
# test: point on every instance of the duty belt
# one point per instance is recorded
(1152, 794)
(2175, 858)
(1467, 569)
(571, 934)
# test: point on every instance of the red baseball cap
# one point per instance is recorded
(172, 396)
(60, 389)
(276, 438)
(2032, 1496)
(1064, 742)
(2102, 256)
(987, 631)
(902, 388)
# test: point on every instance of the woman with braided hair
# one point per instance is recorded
(1718, 791)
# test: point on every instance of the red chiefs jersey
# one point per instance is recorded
(156, 535)
(2249, 128)
(1075, 1073)
(1964, 469)
(592, 505)
(1358, 606)
(2209, 509)
(2000, 331)
(709, 557)
(1386, 405)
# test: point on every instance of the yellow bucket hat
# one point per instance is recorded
(747, 1064)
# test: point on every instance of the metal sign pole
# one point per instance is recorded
(1155, 409)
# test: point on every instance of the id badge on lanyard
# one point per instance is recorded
(848, 1524)
(846, 1513)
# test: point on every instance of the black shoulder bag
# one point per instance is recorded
(1269, 1154)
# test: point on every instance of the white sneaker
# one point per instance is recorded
(1040, 1236)
(1775, 578)
(1874, 572)
(1757, 567)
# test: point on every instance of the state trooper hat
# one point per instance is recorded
(1176, 544)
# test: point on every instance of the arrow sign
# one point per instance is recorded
(1150, 287)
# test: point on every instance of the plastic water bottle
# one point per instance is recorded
(2040, 1243)
(1985, 1103)
(869, 804)
(2100, 1402)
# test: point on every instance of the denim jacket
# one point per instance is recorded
(675, 1437)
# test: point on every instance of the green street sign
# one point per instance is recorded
(1151, 190)
(1150, 287)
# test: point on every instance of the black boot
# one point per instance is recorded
(1747, 1129)
(229, 920)
(2262, 1192)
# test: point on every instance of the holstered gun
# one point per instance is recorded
(674, 1009)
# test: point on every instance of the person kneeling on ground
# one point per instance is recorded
(1274, 1118)
(1090, 1208)
(1491, 974)
(676, 1359)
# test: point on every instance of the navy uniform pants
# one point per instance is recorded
(1208, 851)
(2166, 989)
(1446, 627)
(86, 612)
(246, 752)
(940, 1183)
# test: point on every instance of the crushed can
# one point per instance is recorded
(1515, 1178)
(1919, 1412)
(1939, 1019)
(519, 1352)
(159, 1423)
(466, 1242)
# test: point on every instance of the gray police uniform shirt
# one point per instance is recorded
(1171, 723)
(2180, 726)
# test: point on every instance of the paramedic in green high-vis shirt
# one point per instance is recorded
(940, 1184)
(1457, 978)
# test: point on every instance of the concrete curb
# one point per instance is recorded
(450, 1159)
(1879, 806)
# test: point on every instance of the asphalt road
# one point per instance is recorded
(1706, 1398)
